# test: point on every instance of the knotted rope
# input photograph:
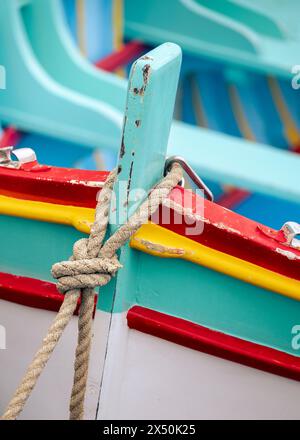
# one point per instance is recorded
(91, 265)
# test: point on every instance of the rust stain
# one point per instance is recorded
(146, 74)
(140, 91)
(129, 181)
(122, 150)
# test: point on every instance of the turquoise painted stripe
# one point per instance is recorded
(217, 301)
(177, 287)
(30, 248)
(256, 167)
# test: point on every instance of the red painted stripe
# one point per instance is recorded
(230, 233)
(31, 292)
(224, 230)
(296, 149)
(233, 198)
(202, 339)
(64, 186)
(121, 57)
(10, 137)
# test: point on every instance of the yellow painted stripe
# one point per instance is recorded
(291, 131)
(80, 20)
(152, 239)
(118, 29)
(197, 102)
(118, 23)
(80, 218)
(239, 115)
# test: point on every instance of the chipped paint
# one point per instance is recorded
(122, 149)
(160, 249)
(188, 213)
(288, 254)
(226, 228)
(129, 182)
(146, 57)
(91, 184)
(138, 122)
(146, 75)
(214, 259)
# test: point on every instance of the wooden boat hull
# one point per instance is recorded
(160, 379)
(206, 303)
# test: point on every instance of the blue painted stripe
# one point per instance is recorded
(51, 151)
(188, 113)
(271, 211)
(292, 100)
(70, 13)
(274, 127)
(99, 28)
(216, 103)
(253, 112)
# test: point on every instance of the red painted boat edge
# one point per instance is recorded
(31, 292)
(10, 137)
(197, 337)
(62, 186)
(231, 233)
(233, 198)
(125, 55)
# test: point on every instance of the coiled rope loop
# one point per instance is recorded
(92, 264)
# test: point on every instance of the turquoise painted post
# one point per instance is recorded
(33, 101)
(148, 116)
(150, 104)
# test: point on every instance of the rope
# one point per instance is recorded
(91, 265)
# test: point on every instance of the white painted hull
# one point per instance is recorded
(25, 329)
(144, 377)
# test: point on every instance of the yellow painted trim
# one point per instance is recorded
(80, 218)
(197, 102)
(151, 238)
(239, 115)
(118, 23)
(118, 30)
(291, 131)
(80, 20)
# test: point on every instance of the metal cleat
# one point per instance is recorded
(23, 156)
